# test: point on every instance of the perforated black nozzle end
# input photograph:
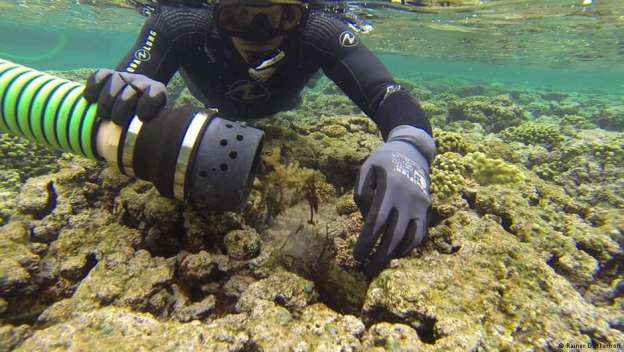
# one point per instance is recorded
(224, 165)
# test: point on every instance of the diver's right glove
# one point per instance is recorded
(121, 95)
(392, 192)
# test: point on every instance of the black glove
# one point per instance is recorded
(392, 192)
(121, 95)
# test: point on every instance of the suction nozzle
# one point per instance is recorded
(193, 155)
(187, 153)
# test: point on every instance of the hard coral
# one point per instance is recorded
(534, 133)
(21, 157)
(577, 121)
(493, 113)
(488, 171)
(446, 175)
(610, 118)
(591, 167)
(449, 142)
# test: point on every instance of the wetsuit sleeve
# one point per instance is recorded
(153, 52)
(361, 75)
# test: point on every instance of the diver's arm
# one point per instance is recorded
(138, 86)
(152, 54)
(392, 185)
(361, 76)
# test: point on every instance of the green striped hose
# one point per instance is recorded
(46, 110)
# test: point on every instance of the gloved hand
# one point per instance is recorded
(392, 192)
(121, 95)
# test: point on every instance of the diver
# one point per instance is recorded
(252, 59)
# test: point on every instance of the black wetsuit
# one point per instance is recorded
(185, 40)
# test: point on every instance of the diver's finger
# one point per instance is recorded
(393, 234)
(95, 83)
(151, 102)
(375, 220)
(364, 188)
(125, 106)
(411, 240)
(109, 94)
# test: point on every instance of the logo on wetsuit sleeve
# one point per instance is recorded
(348, 39)
(144, 53)
(248, 92)
(391, 89)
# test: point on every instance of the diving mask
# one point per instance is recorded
(259, 20)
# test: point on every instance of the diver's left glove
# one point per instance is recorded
(121, 95)
(392, 192)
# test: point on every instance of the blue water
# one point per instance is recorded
(571, 52)
(62, 49)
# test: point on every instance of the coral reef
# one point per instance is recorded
(450, 142)
(576, 121)
(306, 141)
(589, 167)
(447, 175)
(242, 244)
(534, 133)
(493, 113)
(287, 184)
(524, 251)
(487, 171)
(346, 204)
(497, 292)
(610, 118)
(21, 159)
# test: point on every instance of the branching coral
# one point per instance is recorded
(590, 168)
(334, 130)
(432, 109)
(607, 154)
(10, 180)
(345, 204)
